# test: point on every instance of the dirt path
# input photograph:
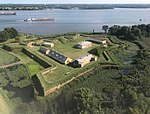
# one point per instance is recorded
(68, 81)
(13, 64)
(15, 55)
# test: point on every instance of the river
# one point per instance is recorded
(73, 20)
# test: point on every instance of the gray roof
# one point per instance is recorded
(95, 41)
(42, 50)
(57, 56)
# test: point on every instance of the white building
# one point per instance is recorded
(48, 44)
(84, 60)
(84, 44)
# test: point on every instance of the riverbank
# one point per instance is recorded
(69, 6)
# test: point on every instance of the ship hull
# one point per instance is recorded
(39, 19)
(7, 13)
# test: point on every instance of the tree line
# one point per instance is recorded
(128, 32)
(127, 94)
(8, 33)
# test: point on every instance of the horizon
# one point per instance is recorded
(75, 2)
(80, 3)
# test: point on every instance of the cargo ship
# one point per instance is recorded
(7, 13)
(39, 19)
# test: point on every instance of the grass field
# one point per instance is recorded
(24, 37)
(58, 73)
(6, 58)
(32, 65)
(69, 50)
(99, 79)
(145, 42)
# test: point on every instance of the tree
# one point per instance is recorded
(105, 28)
(8, 33)
(84, 101)
(143, 28)
(4, 36)
(132, 111)
(137, 32)
(148, 30)
(11, 31)
(15, 32)
(114, 30)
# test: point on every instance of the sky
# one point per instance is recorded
(75, 1)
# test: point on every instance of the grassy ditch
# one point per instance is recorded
(7, 58)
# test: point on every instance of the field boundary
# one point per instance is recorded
(78, 76)
(44, 86)
(19, 61)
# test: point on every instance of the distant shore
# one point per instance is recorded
(69, 6)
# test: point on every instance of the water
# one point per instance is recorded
(73, 20)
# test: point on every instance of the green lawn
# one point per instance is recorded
(6, 58)
(69, 50)
(32, 65)
(26, 38)
(58, 73)
(23, 56)
(145, 42)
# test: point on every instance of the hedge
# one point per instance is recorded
(11, 47)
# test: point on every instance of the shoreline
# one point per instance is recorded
(70, 6)
(74, 9)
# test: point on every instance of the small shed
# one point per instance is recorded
(48, 44)
(84, 44)
(94, 41)
(101, 41)
(105, 45)
(84, 60)
(44, 50)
